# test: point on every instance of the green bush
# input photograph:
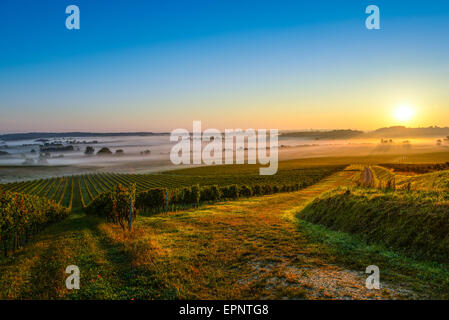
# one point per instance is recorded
(152, 198)
(195, 194)
(104, 151)
(230, 192)
(115, 205)
(192, 195)
(416, 223)
(210, 193)
(245, 191)
(266, 189)
(257, 190)
(22, 216)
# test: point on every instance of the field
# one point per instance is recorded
(314, 243)
(76, 192)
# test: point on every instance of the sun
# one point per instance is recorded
(403, 113)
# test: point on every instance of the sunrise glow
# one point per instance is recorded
(404, 113)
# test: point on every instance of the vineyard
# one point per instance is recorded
(76, 192)
(386, 179)
(413, 222)
(23, 216)
(415, 168)
(179, 254)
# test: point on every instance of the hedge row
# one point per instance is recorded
(416, 168)
(163, 199)
(22, 216)
(415, 223)
(115, 205)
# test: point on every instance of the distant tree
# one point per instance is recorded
(119, 152)
(104, 151)
(145, 153)
(89, 150)
(28, 162)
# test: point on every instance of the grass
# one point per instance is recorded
(253, 248)
(309, 244)
(437, 181)
(416, 223)
(371, 159)
(87, 187)
(421, 279)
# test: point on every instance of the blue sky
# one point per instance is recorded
(158, 65)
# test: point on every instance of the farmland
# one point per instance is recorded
(384, 177)
(412, 222)
(76, 192)
(311, 243)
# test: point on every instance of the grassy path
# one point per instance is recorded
(249, 248)
(245, 249)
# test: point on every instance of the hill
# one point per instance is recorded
(386, 133)
(49, 135)
(404, 132)
(416, 223)
(329, 135)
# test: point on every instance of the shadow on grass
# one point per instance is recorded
(427, 279)
(135, 282)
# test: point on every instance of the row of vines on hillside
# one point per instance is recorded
(22, 216)
(78, 191)
(377, 177)
(115, 204)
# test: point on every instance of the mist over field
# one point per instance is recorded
(48, 157)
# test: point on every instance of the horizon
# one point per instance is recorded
(159, 66)
(168, 132)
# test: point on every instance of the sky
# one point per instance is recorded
(157, 65)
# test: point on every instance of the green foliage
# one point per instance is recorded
(266, 189)
(437, 181)
(104, 151)
(194, 195)
(416, 168)
(155, 200)
(245, 191)
(115, 205)
(22, 216)
(414, 222)
(210, 193)
(89, 150)
(152, 198)
(257, 190)
(230, 192)
(178, 184)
